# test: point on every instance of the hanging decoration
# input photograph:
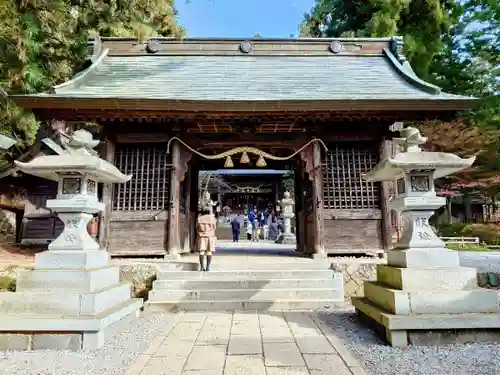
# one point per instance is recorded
(244, 158)
(229, 162)
(244, 151)
(261, 162)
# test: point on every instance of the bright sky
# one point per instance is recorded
(242, 18)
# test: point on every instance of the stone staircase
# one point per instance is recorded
(246, 283)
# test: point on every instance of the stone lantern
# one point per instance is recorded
(423, 289)
(287, 237)
(73, 292)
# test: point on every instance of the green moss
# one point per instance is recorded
(7, 283)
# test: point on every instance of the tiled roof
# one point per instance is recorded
(251, 78)
(274, 74)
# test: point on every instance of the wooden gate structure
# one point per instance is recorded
(217, 94)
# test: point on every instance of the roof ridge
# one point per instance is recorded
(236, 39)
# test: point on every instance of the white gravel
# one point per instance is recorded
(118, 354)
(380, 359)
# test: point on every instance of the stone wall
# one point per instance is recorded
(355, 271)
(141, 275)
(7, 226)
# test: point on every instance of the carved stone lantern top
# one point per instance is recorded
(79, 158)
(413, 158)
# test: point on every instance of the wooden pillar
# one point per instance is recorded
(186, 248)
(316, 176)
(173, 239)
(299, 197)
(107, 152)
(385, 151)
(194, 205)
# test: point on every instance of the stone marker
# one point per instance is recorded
(423, 289)
(72, 293)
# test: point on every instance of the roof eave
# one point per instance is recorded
(351, 105)
(81, 77)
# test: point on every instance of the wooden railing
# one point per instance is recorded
(461, 241)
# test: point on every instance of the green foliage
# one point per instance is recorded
(487, 234)
(469, 247)
(450, 230)
(43, 43)
(7, 283)
(454, 44)
(421, 22)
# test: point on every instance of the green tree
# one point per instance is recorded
(421, 22)
(43, 43)
(454, 44)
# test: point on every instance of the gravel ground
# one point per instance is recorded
(380, 359)
(119, 353)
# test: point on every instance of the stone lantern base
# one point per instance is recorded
(286, 239)
(71, 300)
(424, 297)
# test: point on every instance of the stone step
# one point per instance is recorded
(244, 294)
(179, 266)
(54, 322)
(83, 281)
(84, 304)
(247, 274)
(230, 283)
(255, 305)
(246, 264)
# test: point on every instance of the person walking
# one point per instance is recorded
(273, 229)
(255, 231)
(206, 225)
(249, 228)
(265, 229)
(235, 227)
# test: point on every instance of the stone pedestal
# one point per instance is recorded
(423, 296)
(73, 299)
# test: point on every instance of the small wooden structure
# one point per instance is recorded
(272, 94)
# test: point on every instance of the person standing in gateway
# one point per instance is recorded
(206, 225)
(235, 227)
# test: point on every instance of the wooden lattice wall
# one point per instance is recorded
(344, 188)
(148, 190)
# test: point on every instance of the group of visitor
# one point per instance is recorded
(257, 225)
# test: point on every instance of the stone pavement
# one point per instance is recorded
(246, 343)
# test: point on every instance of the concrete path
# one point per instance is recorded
(483, 261)
(245, 343)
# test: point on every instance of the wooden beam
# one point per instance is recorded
(107, 151)
(385, 151)
(71, 112)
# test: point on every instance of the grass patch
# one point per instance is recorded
(472, 247)
(7, 283)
